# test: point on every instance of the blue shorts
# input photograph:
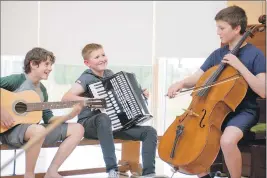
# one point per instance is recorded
(243, 120)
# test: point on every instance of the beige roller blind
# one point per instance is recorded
(123, 28)
(186, 29)
(19, 27)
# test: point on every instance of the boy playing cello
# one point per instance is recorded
(250, 62)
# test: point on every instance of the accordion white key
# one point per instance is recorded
(126, 104)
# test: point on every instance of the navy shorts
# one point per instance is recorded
(243, 120)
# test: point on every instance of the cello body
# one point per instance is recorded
(199, 143)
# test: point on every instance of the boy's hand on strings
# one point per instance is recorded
(233, 61)
(174, 88)
(6, 119)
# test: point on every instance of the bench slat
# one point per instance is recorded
(83, 142)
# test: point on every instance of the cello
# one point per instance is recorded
(192, 142)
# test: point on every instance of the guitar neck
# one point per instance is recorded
(51, 105)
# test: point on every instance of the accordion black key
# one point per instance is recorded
(126, 104)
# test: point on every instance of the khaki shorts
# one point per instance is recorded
(15, 136)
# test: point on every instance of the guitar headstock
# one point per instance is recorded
(95, 103)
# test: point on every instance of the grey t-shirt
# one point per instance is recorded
(28, 85)
(88, 77)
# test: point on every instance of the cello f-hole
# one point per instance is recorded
(200, 123)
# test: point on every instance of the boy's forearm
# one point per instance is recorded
(52, 119)
(188, 82)
(66, 117)
(257, 85)
(192, 80)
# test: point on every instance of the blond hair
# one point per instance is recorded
(89, 48)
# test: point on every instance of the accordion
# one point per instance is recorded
(126, 104)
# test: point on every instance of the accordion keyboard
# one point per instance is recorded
(123, 105)
(112, 108)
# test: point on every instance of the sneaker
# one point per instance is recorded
(113, 174)
(219, 174)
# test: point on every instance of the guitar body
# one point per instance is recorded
(26, 107)
(9, 101)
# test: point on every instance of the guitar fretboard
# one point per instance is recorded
(51, 105)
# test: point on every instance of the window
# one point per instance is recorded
(171, 70)
(11, 65)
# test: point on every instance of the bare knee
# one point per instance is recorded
(230, 138)
(34, 130)
(76, 130)
(227, 144)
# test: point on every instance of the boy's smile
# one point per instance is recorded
(97, 61)
(45, 67)
(42, 70)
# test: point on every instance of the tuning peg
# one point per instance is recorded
(262, 19)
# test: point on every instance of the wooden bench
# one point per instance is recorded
(130, 152)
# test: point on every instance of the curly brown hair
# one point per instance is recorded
(37, 55)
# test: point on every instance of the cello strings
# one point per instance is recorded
(195, 100)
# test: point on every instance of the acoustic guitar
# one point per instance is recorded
(26, 107)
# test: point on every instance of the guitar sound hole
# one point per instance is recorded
(21, 107)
